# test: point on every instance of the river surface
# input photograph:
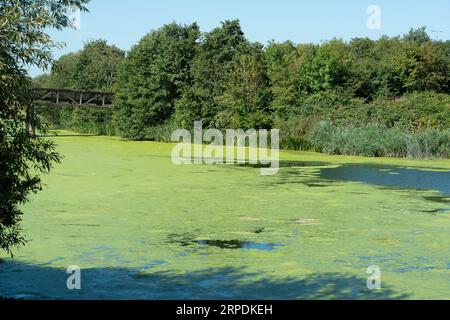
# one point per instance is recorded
(139, 227)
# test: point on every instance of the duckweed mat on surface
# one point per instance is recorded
(140, 227)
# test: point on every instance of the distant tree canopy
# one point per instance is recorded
(97, 66)
(94, 67)
(63, 73)
(224, 80)
(176, 75)
(152, 77)
(210, 70)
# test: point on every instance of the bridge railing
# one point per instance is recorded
(73, 97)
(77, 98)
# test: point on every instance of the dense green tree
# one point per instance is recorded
(247, 98)
(23, 42)
(151, 79)
(279, 59)
(63, 73)
(307, 71)
(424, 67)
(445, 47)
(97, 66)
(324, 68)
(41, 81)
(92, 68)
(387, 78)
(364, 63)
(418, 35)
(211, 71)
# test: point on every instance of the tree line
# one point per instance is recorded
(175, 75)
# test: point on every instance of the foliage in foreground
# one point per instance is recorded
(22, 156)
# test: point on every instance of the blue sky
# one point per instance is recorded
(123, 23)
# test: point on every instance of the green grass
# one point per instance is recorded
(122, 212)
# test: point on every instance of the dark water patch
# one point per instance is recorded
(191, 242)
(184, 240)
(315, 185)
(298, 176)
(259, 230)
(432, 212)
(436, 211)
(391, 176)
(79, 225)
(258, 165)
(438, 199)
(238, 244)
(285, 164)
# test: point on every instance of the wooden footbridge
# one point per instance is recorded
(73, 97)
(59, 97)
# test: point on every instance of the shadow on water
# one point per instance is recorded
(237, 244)
(382, 176)
(285, 164)
(294, 175)
(26, 281)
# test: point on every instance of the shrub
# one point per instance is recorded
(161, 133)
(375, 140)
(92, 120)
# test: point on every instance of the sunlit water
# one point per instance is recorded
(393, 177)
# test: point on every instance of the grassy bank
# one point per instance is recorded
(415, 126)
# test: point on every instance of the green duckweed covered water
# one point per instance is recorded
(140, 227)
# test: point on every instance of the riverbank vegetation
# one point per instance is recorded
(385, 97)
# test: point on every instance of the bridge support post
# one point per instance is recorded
(30, 125)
